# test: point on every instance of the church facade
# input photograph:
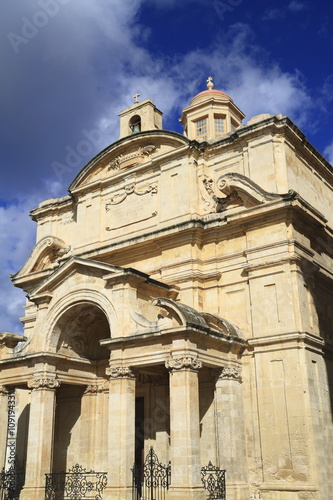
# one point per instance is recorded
(180, 299)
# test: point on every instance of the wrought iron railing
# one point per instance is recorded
(76, 484)
(152, 479)
(11, 483)
(213, 480)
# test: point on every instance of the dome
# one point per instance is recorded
(205, 94)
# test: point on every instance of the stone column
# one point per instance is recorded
(230, 431)
(3, 424)
(94, 429)
(87, 449)
(185, 429)
(121, 435)
(40, 436)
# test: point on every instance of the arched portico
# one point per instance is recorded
(87, 309)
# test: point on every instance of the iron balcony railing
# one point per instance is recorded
(76, 484)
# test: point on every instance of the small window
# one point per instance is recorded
(219, 126)
(201, 129)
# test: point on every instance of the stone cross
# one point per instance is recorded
(136, 97)
(210, 83)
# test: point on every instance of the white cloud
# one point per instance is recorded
(273, 14)
(17, 233)
(296, 6)
(241, 69)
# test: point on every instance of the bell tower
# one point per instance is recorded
(140, 117)
(210, 115)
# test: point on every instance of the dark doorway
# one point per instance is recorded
(139, 430)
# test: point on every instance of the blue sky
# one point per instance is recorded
(70, 66)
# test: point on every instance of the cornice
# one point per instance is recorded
(290, 339)
(275, 122)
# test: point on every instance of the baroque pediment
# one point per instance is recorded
(238, 191)
(128, 154)
(43, 259)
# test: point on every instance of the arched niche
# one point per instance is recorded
(79, 330)
(135, 124)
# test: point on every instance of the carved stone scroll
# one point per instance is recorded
(129, 189)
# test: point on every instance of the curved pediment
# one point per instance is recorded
(41, 261)
(126, 154)
(189, 317)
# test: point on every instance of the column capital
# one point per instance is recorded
(91, 389)
(3, 390)
(40, 382)
(115, 372)
(183, 363)
(228, 373)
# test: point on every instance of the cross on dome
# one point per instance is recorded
(136, 97)
(210, 84)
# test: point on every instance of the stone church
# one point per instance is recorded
(179, 302)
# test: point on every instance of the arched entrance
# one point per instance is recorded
(80, 329)
(80, 406)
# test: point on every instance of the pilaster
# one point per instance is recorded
(185, 429)
(40, 436)
(230, 431)
(121, 435)
(89, 451)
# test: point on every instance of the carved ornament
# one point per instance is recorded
(92, 389)
(184, 363)
(207, 193)
(43, 383)
(119, 372)
(3, 390)
(132, 159)
(129, 189)
(230, 373)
